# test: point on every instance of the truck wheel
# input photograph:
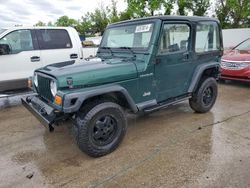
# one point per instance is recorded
(100, 130)
(205, 96)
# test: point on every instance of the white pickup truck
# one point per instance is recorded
(24, 49)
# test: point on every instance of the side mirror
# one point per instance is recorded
(5, 49)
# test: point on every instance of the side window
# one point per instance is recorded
(207, 37)
(53, 39)
(18, 41)
(175, 37)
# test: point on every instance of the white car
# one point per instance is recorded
(24, 49)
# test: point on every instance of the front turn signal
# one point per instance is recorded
(58, 100)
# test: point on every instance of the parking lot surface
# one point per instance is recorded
(173, 147)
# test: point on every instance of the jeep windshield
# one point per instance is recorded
(2, 30)
(129, 37)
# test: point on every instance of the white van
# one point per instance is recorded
(24, 49)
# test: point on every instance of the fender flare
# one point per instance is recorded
(198, 73)
(83, 95)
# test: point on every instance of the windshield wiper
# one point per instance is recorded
(128, 48)
(107, 48)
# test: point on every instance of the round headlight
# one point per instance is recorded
(35, 80)
(53, 87)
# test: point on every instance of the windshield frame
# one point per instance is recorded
(235, 48)
(2, 30)
(129, 23)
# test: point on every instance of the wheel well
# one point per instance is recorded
(116, 97)
(210, 72)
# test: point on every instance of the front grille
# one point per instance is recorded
(44, 88)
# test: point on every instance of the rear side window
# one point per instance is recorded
(53, 39)
(207, 37)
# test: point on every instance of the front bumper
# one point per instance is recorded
(46, 114)
(238, 74)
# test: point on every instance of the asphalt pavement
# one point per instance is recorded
(174, 147)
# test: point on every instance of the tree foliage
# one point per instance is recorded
(183, 6)
(114, 16)
(84, 26)
(142, 8)
(40, 23)
(233, 13)
(199, 7)
(65, 21)
(99, 20)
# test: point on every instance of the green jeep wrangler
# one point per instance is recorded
(142, 65)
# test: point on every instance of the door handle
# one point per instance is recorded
(73, 56)
(34, 59)
(185, 56)
(157, 61)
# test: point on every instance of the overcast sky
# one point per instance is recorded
(29, 12)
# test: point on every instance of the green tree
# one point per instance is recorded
(113, 17)
(199, 7)
(168, 6)
(99, 20)
(50, 24)
(40, 23)
(154, 5)
(233, 13)
(239, 11)
(125, 15)
(142, 8)
(247, 22)
(65, 21)
(84, 26)
(137, 8)
(183, 6)
(222, 13)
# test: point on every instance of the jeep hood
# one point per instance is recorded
(91, 73)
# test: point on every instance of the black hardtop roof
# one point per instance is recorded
(170, 18)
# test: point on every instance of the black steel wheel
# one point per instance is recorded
(104, 130)
(205, 96)
(101, 129)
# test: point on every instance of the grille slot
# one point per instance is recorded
(44, 88)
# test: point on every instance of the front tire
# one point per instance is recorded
(100, 130)
(205, 96)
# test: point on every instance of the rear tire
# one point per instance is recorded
(101, 129)
(205, 96)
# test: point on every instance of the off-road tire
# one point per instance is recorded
(199, 102)
(86, 123)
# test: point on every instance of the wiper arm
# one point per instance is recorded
(128, 48)
(107, 48)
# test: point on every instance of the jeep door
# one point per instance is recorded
(56, 45)
(174, 66)
(19, 59)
